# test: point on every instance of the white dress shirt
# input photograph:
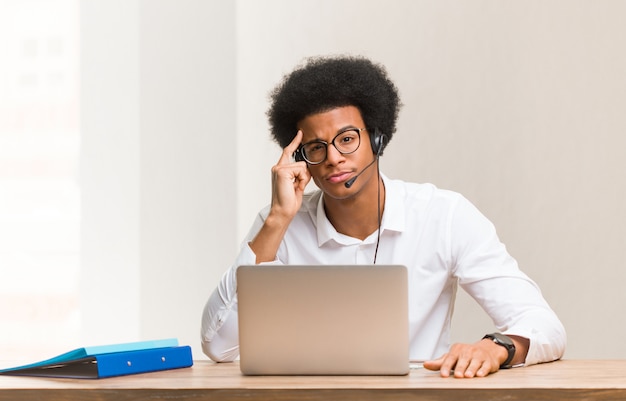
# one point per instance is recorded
(441, 238)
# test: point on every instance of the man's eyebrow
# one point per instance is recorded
(347, 127)
(339, 131)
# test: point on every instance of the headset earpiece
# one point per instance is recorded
(297, 155)
(378, 141)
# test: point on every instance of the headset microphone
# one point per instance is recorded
(378, 143)
(349, 183)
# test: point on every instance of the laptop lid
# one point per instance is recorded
(323, 320)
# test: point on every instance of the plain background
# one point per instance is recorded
(518, 105)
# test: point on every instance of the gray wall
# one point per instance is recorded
(519, 105)
(157, 112)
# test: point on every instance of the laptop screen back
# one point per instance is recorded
(323, 320)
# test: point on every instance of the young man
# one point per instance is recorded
(336, 115)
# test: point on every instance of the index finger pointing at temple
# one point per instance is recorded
(291, 148)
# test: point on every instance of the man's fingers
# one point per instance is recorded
(289, 150)
(434, 364)
(460, 363)
(443, 364)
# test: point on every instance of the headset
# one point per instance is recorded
(378, 140)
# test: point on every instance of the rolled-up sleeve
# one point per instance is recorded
(492, 277)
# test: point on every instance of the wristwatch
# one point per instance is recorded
(507, 343)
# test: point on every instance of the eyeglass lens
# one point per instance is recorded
(345, 142)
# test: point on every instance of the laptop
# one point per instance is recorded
(323, 320)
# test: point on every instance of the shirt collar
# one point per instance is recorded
(393, 217)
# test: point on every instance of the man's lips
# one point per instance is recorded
(339, 177)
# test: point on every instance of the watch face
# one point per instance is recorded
(502, 339)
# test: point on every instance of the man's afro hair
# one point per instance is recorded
(324, 83)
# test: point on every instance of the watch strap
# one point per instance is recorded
(505, 342)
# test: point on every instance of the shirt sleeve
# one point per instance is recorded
(219, 327)
(492, 277)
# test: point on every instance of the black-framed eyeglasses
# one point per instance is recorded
(315, 152)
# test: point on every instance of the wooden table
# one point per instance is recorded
(567, 380)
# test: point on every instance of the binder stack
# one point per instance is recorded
(110, 360)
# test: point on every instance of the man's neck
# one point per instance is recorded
(357, 216)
